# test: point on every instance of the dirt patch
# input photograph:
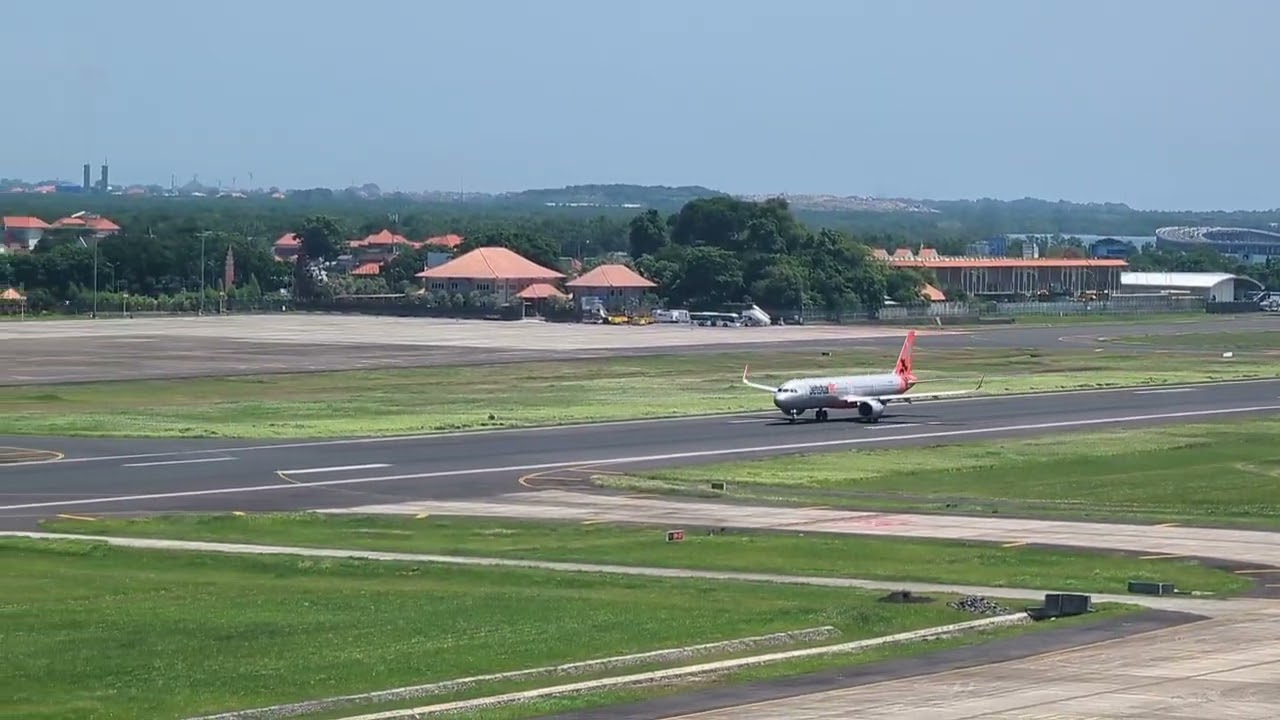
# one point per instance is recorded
(905, 596)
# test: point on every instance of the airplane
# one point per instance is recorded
(869, 394)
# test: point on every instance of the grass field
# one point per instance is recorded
(877, 558)
(1221, 473)
(92, 631)
(428, 399)
(1257, 340)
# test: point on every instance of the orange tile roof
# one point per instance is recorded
(288, 240)
(385, 237)
(26, 222)
(99, 224)
(12, 294)
(491, 263)
(372, 268)
(538, 291)
(614, 276)
(932, 293)
(450, 241)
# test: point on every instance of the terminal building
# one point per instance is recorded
(1002, 276)
(1245, 244)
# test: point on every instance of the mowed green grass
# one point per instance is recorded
(1236, 341)
(1220, 473)
(90, 631)
(784, 553)
(455, 398)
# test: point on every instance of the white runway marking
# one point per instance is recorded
(1164, 390)
(651, 458)
(339, 468)
(179, 462)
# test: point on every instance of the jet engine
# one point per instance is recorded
(870, 409)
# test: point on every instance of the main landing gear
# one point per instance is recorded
(820, 415)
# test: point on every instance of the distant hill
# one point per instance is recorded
(617, 195)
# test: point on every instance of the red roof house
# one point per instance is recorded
(615, 285)
(493, 270)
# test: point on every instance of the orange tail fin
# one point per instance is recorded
(903, 367)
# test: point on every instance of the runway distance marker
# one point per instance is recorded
(843, 442)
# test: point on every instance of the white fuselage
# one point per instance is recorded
(801, 394)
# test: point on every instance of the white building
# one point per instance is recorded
(1214, 287)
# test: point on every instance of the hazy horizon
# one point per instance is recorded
(1158, 105)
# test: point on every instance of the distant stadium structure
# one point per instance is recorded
(1246, 244)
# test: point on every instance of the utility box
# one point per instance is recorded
(1067, 604)
(1142, 587)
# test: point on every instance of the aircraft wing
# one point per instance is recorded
(913, 397)
(757, 386)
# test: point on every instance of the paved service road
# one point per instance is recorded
(99, 476)
(1221, 668)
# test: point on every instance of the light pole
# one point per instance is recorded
(202, 236)
(95, 279)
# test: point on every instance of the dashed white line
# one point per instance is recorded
(339, 468)
(179, 462)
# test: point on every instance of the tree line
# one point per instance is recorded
(709, 252)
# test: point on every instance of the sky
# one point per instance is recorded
(1161, 104)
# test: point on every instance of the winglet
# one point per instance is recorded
(748, 383)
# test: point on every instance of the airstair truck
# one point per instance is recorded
(757, 317)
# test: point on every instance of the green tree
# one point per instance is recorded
(646, 234)
(323, 237)
(526, 243)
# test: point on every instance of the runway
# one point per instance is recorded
(107, 477)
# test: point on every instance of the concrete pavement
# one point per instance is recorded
(40, 352)
(1222, 668)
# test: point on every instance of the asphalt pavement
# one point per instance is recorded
(47, 476)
